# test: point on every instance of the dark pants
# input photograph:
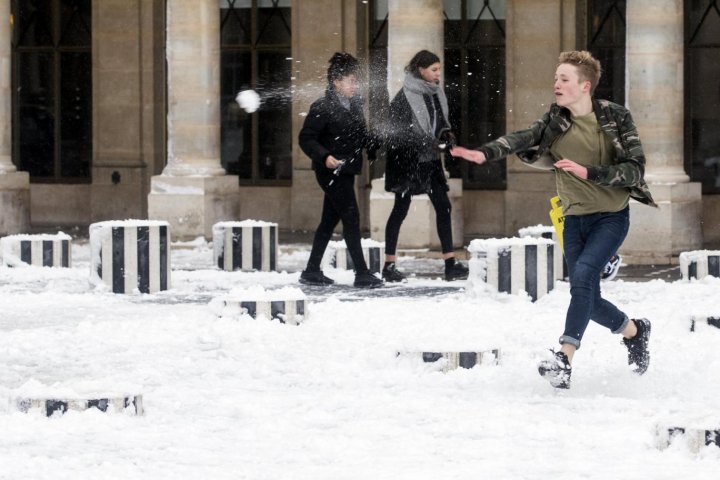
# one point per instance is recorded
(339, 205)
(439, 198)
(589, 241)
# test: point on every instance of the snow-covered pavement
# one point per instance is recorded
(236, 398)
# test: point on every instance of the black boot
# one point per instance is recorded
(317, 278)
(455, 270)
(638, 352)
(391, 274)
(557, 371)
(367, 280)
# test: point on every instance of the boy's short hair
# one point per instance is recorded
(341, 65)
(588, 67)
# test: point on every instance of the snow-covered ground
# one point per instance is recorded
(236, 398)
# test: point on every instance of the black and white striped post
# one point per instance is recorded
(696, 437)
(38, 250)
(544, 231)
(249, 245)
(288, 304)
(454, 360)
(373, 252)
(131, 404)
(699, 264)
(131, 255)
(512, 265)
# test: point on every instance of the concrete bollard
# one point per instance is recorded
(373, 252)
(288, 304)
(513, 264)
(544, 231)
(248, 245)
(455, 360)
(696, 437)
(131, 255)
(38, 250)
(699, 264)
(48, 406)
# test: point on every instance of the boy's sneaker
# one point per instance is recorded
(367, 280)
(611, 268)
(315, 278)
(638, 353)
(557, 371)
(457, 271)
(390, 273)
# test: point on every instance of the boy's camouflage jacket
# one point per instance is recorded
(532, 146)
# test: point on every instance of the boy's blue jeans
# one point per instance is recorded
(589, 241)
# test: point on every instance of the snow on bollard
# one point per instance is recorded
(454, 360)
(288, 304)
(699, 264)
(37, 250)
(695, 437)
(373, 252)
(131, 404)
(131, 255)
(512, 265)
(248, 245)
(544, 231)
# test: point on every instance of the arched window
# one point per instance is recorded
(606, 41)
(52, 89)
(256, 54)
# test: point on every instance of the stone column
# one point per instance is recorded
(193, 192)
(413, 25)
(654, 92)
(531, 56)
(14, 185)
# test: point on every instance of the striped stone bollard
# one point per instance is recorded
(248, 245)
(544, 231)
(699, 264)
(288, 304)
(696, 437)
(131, 255)
(38, 250)
(455, 360)
(373, 252)
(513, 264)
(48, 406)
(698, 320)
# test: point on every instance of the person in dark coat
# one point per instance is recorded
(419, 131)
(333, 136)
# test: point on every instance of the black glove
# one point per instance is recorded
(446, 140)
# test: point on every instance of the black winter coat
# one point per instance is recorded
(331, 129)
(403, 172)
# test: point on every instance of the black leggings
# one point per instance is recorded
(339, 204)
(439, 198)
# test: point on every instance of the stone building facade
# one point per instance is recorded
(115, 109)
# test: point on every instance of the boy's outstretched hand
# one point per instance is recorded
(474, 156)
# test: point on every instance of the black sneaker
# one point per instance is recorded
(611, 268)
(638, 353)
(391, 274)
(367, 280)
(457, 271)
(315, 278)
(557, 371)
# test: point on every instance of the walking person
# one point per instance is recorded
(599, 164)
(333, 136)
(418, 131)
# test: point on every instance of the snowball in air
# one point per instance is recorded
(248, 100)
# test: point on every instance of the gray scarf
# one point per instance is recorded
(414, 89)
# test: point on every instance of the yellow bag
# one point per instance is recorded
(557, 218)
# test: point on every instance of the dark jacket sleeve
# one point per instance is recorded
(516, 141)
(309, 138)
